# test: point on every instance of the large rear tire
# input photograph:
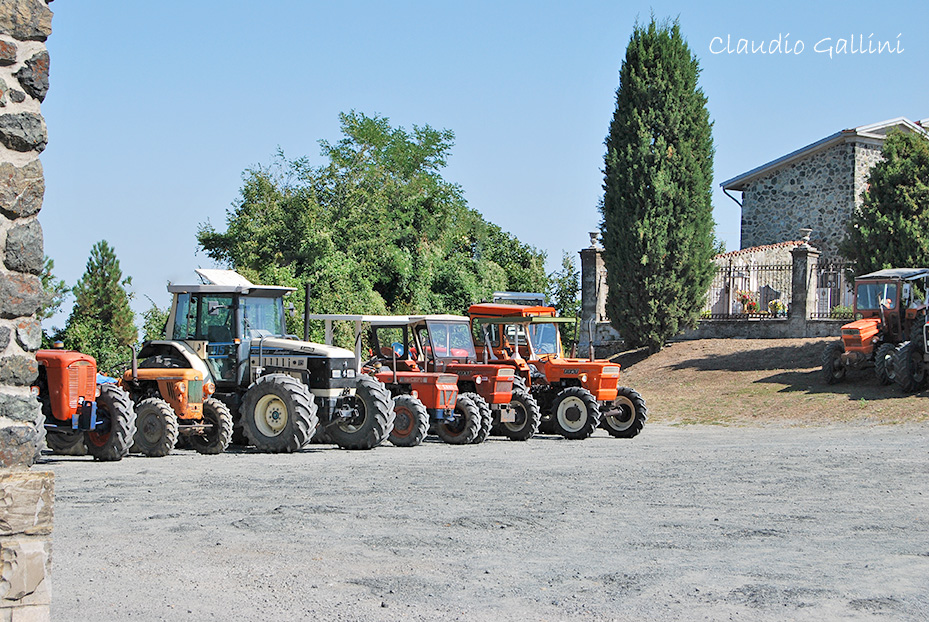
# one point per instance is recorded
(372, 420)
(528, 416)
(626, 416)
(909, 367)
(156, 428)
(487, 417)
(217, 438)
(464, 427)
(278, 414)
(112, 444)
(884, 363)
(833, 370)
(411, 422)
(575, 413)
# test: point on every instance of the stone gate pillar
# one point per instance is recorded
(803, 286)
(25, 495)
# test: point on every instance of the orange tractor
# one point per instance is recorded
(171, 389)
(422, 400)
(575, 395)
(890, 307)
(82, 416)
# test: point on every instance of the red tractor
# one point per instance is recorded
(82, 416)
(574, 394)
(422, 400)
(890, 308)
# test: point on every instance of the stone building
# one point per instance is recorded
(27, 495)
(816, 187)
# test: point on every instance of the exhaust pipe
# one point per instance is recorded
(135, 365)
(306, 314)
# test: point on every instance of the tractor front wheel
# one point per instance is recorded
(112, 444)
(216, 439)
(66, 442)
(464, 427)
(528, 416)
(626, 416)
(487, 417)
(575, 413)
(411, 422)
(833, 368)
(278, 414)
(371, 420)
(884, 363)
(156, 428)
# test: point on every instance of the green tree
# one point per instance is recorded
(657, 212)
(891, 227)
(564, 287)
(101, 322)
(55, 291)
(154, 322)
(374, 229)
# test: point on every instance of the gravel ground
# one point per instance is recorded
(681, 523)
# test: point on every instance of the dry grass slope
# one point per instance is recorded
(761, 382)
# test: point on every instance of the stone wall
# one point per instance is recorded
(819, 193)
(26, 515)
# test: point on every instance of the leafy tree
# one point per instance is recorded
(891, 227)
(657, 212)
(564, 287)
(154, 322)
(101, 322)
(374, 229)
(54, 288)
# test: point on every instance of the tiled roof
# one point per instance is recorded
(755, 249)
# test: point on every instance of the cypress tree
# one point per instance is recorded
(657, 204)
(889, 229)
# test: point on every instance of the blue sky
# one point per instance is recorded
(156, 108)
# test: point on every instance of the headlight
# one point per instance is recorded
(507, 372)
(582, 377)
(610, 370)
(348, 373)
(209, 389)
(477, 380)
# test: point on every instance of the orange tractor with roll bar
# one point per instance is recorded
(575, 395)
(889, 311)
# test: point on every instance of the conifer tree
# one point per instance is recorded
(891, 227)
(101, 322)
(657, 204)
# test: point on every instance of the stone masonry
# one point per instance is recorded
(818, 193)
(27, 495)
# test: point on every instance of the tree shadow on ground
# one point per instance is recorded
(858, 385)
(630, 357)
(776, 357)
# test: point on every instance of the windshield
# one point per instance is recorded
(544, 338)
(261, 316)
(451, 340)
(871, 295)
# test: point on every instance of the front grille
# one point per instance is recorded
(194, 391)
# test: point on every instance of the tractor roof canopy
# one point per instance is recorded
(228, 282)
(903, 274)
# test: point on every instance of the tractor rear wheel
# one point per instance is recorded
(217, 438)
(487, 417)
(411, 422)
(626, 416)
(66, 442)
(278, 414)
(884, 363)
(372, 420)
(833, 368)
(575, 413)
(909, 367)
(464, 428)
(156, 428)
(113, 444)
(528, 416)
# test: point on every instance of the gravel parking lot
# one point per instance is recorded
(681, 523)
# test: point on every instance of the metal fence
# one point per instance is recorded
(749, 291)
(834, 296)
